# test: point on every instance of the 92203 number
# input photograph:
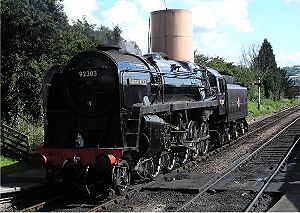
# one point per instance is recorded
(83, 74)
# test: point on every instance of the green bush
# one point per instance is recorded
(34, 131)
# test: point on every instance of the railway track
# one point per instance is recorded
(255, 129)
(44, 204)
(103, 205)
(255, 201)
(18, 200)
(269, 158)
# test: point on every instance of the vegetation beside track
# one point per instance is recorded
(6, 161)
(269, 106)
(34, 131)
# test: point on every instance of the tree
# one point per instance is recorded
(116, 37)
(265, 60)
(218, 63)
(29, 30)
(35, 36)
(248, 56)
(200, 58)
(266, 64)
(79, 36)
(286, 84)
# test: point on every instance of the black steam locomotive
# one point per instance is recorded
(110, 114)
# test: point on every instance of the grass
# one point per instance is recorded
(6, 161)
(268, 106)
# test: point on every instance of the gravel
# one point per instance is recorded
(152, 201)
(215, 200)
(222, 200)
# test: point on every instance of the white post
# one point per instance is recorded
(258, 103)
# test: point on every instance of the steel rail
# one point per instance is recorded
(251, 205)
(233, 166)
(240, 138)
(40, 205)
(115, 200)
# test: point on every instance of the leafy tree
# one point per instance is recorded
(109, 37)
(265, 60)
(200, 58)
(218, 63)
(82, 35)
(79, 36)
(221, 65)
(35, 36)
(286, 84)
(116, 36)
(266, 64)
(29, 29)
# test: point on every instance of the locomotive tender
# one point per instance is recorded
(110, 114)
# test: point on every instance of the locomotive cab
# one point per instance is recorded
(228, 119)
(219, 88)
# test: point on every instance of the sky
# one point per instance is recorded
(220, 27)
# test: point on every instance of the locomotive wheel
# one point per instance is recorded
(170, 161)
(50, 174)
(242, 129)
(235, 135)
(221, 139)
(205, 146)
(123, 175)
(68, 172)
(183, 156)
(195, 154)
(90, 180)
(154, 167)
(228, 137)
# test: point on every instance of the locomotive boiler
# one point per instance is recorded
(110, 114)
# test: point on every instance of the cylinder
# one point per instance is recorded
(172, 33)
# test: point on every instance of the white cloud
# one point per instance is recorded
(291, 1)
(211, 14)
(131, 16)
(213, 40)
(290, 59)
(233, 55)
(76, 9)
(126, 14)
(149, 6)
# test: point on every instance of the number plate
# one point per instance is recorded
(88, 73)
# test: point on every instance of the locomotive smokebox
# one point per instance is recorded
(172, 33)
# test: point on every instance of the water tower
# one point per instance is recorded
(171, 32)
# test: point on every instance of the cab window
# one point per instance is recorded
(222, 85)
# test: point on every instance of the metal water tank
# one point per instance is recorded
(172, 33)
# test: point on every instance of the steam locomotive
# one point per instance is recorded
(109, 115)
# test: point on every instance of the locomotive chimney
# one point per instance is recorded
(172, 33)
